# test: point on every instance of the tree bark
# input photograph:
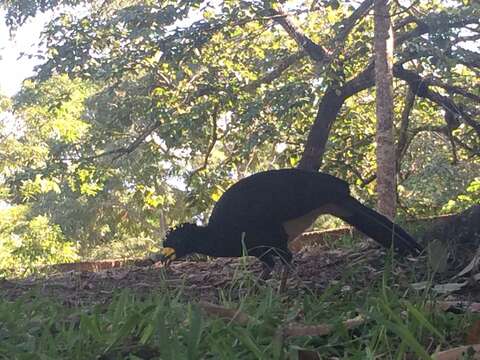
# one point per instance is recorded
(386, 184)
(328, 110)
(404, 125)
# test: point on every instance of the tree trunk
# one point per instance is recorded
(328, 110)
(386, 184)
(454, 238)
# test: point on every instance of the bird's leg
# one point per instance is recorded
(284, 278)
(267, 263)
(286, 257)
(266, 272)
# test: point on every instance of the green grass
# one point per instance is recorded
(167, 325)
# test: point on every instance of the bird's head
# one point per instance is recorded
(179, 242)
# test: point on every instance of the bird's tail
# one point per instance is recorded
(378, 227)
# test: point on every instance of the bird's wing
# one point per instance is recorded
(274, 197)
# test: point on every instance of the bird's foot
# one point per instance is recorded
(266, 273)
(283, 279)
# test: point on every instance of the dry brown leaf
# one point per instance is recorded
(233, 315)
(471, 266)
(449, 287)
(458, 352)
(440, 288)
(293, 330)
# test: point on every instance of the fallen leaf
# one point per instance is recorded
(443, 288)
(234, 315)
(449, 287)
(472, 265)
(420, 285)
(459, 353)
(293, 329)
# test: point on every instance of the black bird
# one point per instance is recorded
(261, 213)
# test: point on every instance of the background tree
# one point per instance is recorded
(386, 162)
(144, 112)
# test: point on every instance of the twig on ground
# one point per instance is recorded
(463, 306)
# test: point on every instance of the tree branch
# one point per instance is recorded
(452, 88)
(211, 145)
(119, 152)
(348, 24)
(471, 59)
(274, 74)
(355, 171)
(404, 124)
(435, 22)
(283, 65)
(336, 94)
(420, 87)
(442, 130)
(317, 52)
(314, 51)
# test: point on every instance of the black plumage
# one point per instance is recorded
(261, 213)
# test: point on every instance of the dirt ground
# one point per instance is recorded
(313, 270)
